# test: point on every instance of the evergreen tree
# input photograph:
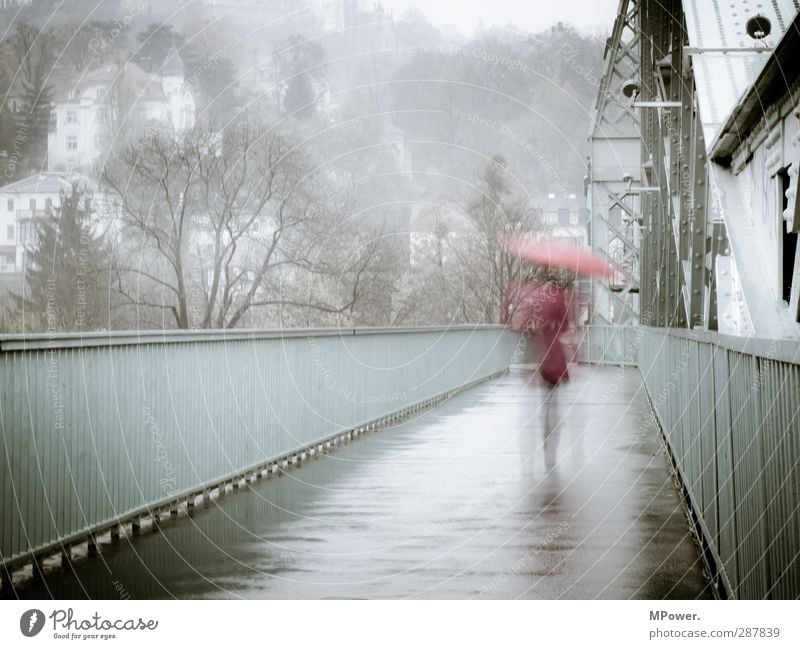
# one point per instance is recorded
(299, 98)
(216, 80)
(64, 285)
(37, 98)
(304, 69)
(10, 143)
(154, 45)
(33, 53)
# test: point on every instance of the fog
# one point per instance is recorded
(210, 165)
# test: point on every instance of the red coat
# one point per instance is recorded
(542, 309)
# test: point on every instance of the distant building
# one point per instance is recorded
(28, 203)
(103, 107)
(564, 217)
(370, 28)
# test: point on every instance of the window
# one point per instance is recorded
(72, 117)
(48, 205)
(32, 204)
(10, 205)
(788, 239)
(10, 232)
(72, 142)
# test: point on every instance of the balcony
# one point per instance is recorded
(33, 215)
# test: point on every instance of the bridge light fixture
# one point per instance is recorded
(758, 27)
(631, 89)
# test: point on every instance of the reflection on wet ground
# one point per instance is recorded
(509, 490)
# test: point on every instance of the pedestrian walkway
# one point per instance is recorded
(508, 490)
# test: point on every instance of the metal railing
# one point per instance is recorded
(101, 429)
(609, 344)
(729, 409)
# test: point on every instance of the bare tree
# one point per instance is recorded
(218, 224)
(497, 214)
(432, 292)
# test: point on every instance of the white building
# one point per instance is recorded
(103, 107)
(24, 205)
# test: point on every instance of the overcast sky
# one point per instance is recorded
(530, 15)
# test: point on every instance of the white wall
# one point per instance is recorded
(87, 129)
(22, 202)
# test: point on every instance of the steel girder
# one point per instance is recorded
(671, 259)
(614, 143)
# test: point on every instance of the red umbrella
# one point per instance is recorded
(555, 254)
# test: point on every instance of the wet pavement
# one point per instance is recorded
(508, 490)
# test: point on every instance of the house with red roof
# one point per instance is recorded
(102, 108)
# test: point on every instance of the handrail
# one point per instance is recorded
(103, 429)
(786, 350)
(729, 412)
(62, 340)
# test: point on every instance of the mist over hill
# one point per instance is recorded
(394, 130)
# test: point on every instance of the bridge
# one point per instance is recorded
(424, 462)
(430, 462)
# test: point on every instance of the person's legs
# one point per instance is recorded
(553, 367)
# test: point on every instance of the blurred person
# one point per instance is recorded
(539, 307)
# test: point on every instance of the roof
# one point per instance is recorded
(776, 78)
(47, 182)
(173, 64)
(146, 85)
(722, 78)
